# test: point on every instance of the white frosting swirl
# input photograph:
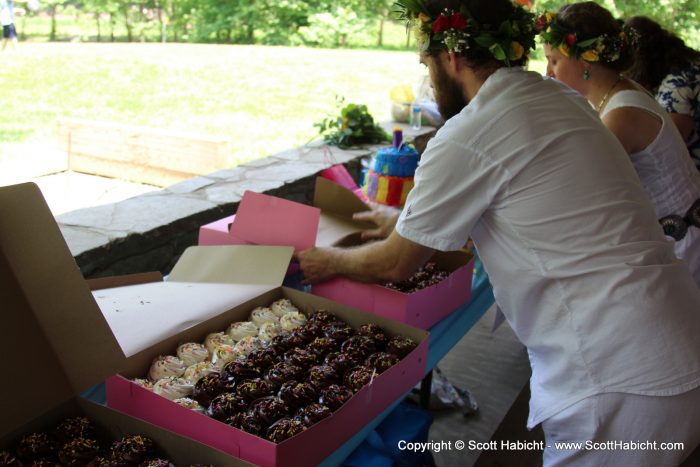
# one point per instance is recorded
(282, 306)
(291, 321)
(216, 339)
(165, 366)
(247, 345)
(268, 331)
(173, 388)
(190, 404)
(194, 372)
(261, 315)
(191, 353)
(238, 331)
(144, 383)
(225, 354)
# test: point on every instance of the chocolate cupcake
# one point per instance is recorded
(400, 346)
(334, 396)
(360, 346)
(303, 358)
(210, 386)
(375, 332)
(358, 377)
(381, 361)
(100, 461)
(36, 446)
(74, 427)
(131, 450)
(252, 389)
(341, 361)
(338, 331)
(240, 371)
(307, 332)
(9, 460)
(296, 394)
(281, 372)
(312, 414)
(225, 405)
(323, 317)
(262, 358)
(247, 422)
(269, 409)
(281, 343)
(78, 452)
(283, 429)
(323, 375)
(322, 346)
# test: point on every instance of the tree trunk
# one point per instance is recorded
(52, 35)
(380, 35)
(127, 23)
(97, 23)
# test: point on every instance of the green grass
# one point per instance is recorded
(265, 99)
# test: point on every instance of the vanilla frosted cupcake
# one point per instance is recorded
(165, 366)
(263, 314)
(144, 383)
(247, 345)
(292, 320)
(196, 371)
(282, 306)
(173, 388)
(268, 331)
(215, 339)
(225, 354)
(238, 331)
(191, 353)
(190, 404)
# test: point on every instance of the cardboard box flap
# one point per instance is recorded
(233, 264)
(52, 332)
(268, 220)
(333, 198)
(338, 204)
(205, 282)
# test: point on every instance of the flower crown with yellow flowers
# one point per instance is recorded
(458, 31)
(605, 48)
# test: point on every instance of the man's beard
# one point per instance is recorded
(448, 93)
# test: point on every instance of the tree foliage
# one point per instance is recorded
(327, 23)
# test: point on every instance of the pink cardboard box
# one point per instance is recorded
(64, 342)
(309, 447)
(258, 214)
(218, 233)
(422, 308)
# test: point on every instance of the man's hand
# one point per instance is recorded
(385, 217)
(317, 264)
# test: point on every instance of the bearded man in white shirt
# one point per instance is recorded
(579, 264)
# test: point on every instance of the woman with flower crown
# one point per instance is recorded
(579, 266)
(587, 49)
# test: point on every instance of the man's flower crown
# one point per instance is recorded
(605, 48)
(458, 31)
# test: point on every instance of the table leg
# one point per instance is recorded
(425, 387)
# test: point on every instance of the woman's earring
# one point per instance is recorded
(586, 74)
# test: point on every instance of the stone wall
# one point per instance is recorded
(149, 232)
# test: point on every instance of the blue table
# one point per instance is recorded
(443, 336)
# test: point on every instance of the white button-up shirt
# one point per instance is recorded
(579, 264)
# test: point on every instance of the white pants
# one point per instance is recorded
(609, 425)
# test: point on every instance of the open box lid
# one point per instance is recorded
(205, 282)
(267, 220)
(54, 340)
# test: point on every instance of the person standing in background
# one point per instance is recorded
(588, 50)
(670, 69)
(7, 20)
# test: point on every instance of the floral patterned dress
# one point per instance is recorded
(679, 92)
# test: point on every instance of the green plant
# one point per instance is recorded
(353, 126)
